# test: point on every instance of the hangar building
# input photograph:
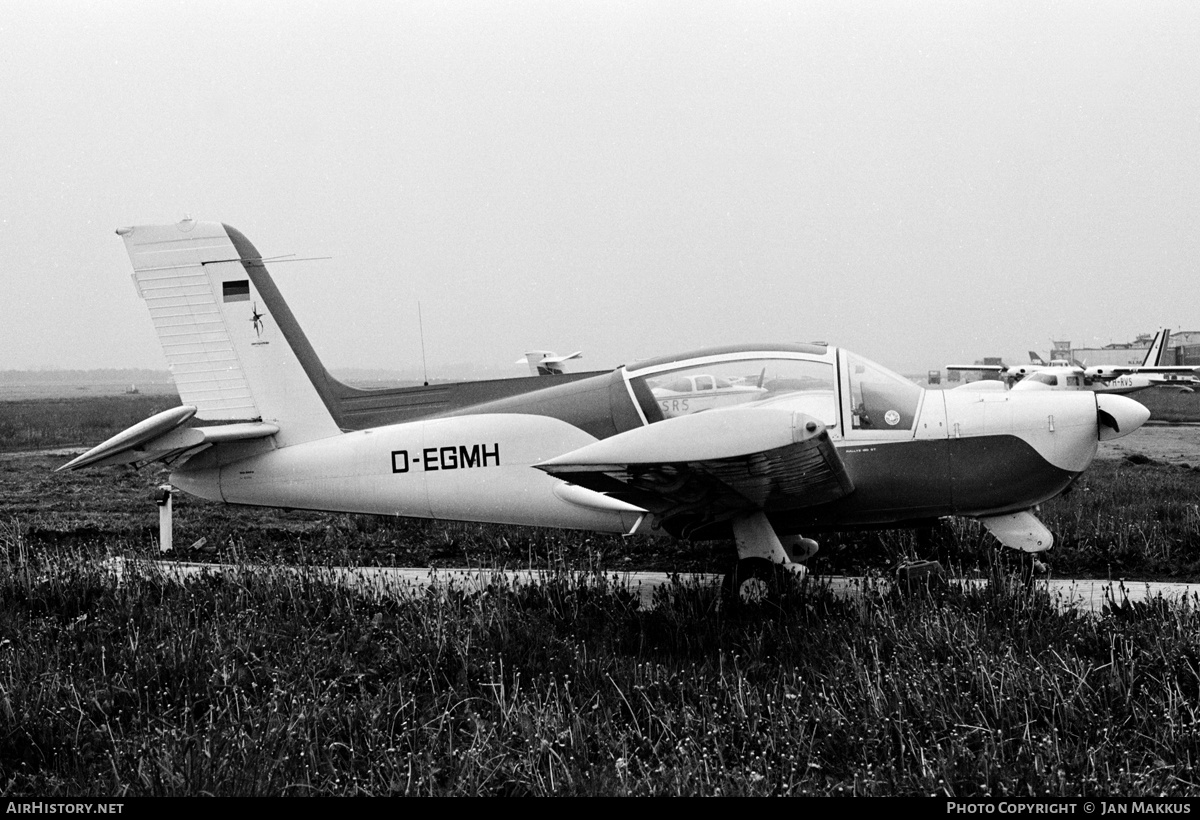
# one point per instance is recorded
(1183, 348)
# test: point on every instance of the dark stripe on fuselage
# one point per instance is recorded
(362, 409)
(912, 482)
(600, 405)
(998, 474)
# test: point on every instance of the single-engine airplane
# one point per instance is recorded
(547, 362)
(761, 442)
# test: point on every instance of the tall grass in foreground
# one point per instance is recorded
(275, 684)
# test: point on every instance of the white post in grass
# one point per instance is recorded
(163, 498)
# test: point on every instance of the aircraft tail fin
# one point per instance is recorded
(1158, 349)
(233, 346)
(1034, 358)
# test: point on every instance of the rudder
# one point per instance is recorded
(233, 346)
(1158, 349)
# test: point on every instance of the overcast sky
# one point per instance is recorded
(920, 182)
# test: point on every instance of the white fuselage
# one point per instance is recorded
(481, 467)
(469, 468)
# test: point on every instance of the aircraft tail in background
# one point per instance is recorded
(1158, 349)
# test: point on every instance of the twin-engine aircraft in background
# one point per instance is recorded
(1116, 379)
(1151, 368)
(759, 442)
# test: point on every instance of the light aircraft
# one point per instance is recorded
(1035, 358)
(802, 439)
(1151, 368)
(547, 362)
(1116, 379)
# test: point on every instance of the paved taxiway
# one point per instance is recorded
(1086, 596)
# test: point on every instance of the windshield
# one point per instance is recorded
(696, 388)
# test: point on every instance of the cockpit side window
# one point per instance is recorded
(880, 399)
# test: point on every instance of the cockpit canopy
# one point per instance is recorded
(837, 387)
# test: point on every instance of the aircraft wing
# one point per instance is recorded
(1113, 371)
(712, 466)
(983, 368)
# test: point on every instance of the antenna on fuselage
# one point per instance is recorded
(421, 326)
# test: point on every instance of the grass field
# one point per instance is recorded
(32, 424)
(1170, 405)
(278, 686)
(282, 685)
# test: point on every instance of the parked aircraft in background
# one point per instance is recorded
(1037, 360)
(547, 362)
(1117, 379)
(1152, 367)
(796, 439)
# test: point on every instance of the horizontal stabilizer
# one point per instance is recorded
(548, 357)
(547, 362)
(220, 434)
(162, 436)
(578, 354)
(137, 435)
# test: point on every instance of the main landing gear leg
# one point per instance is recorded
(766, 566)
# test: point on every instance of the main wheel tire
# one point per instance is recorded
(755, 583)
